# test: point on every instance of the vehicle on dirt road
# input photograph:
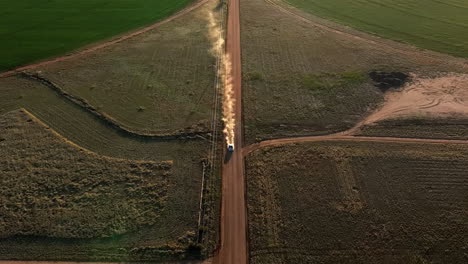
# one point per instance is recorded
(230, 147)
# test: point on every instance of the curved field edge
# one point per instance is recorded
(399, 20)
(188, 133)
(86, 131)
(87, 22)
(358, 195)
(62, 192)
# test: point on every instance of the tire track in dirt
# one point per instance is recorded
(106, 44)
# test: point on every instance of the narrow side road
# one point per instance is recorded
(233, 248)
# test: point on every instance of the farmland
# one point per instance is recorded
(436, 25)
(32, 30)
(345, 202)
(72, 194)
(303, 79)
(147, 94)
(336, 142)
(156, 83)
(181, 197)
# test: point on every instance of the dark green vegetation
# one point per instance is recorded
(344, 202)
(440, 128)
(300, 79)
(431, 24)
(34, 30)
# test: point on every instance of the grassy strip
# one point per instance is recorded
(36, 30)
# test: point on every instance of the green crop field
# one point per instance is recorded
(430, 24)
(34, 30)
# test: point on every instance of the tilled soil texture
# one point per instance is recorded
(361, 202)
(305, 76)
(158, 82)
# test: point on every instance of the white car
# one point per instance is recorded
(230, 147)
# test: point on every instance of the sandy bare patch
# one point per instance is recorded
(443, 96)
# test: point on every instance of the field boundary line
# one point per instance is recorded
(110, 121)
(95, 47)
(405, 49)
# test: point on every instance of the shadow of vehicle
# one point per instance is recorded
(227, 156)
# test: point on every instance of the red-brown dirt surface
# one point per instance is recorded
(233, 212)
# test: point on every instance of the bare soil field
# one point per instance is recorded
(361, 202)
(443, 96)
(425, 107)
(286, 56)
(157, 82)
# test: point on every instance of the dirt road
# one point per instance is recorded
(233, 248)
(111, 42)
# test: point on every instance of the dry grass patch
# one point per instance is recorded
(58, 197)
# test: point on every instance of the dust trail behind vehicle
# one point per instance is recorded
(224, 72)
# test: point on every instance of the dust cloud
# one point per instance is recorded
(224, 71)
